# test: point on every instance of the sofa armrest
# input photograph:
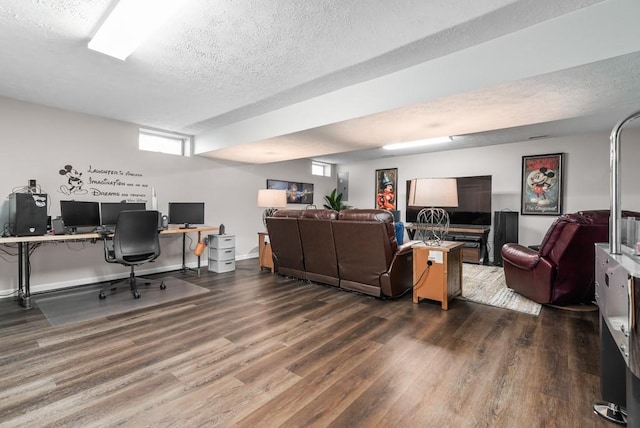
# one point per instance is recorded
(399, 278)
(520, 256)
(407, 247)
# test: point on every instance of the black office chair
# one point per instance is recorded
(134, 242)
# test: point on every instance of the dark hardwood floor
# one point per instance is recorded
(263, 350)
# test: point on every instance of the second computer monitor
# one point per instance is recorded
(111, 210)
(186, 213)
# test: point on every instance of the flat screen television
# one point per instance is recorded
(109, 211)
(474, 203)
(186, 213)
(77, 214)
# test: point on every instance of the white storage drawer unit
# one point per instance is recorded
(222, 253)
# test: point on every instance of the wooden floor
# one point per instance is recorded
(263, 350)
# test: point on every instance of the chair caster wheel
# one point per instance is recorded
(162, 286)
(102, 296)
(136, 295)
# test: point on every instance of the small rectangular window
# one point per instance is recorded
(321, 169)
(164, 142)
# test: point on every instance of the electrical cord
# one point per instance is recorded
(426, 268)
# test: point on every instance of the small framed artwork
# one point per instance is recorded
(297, 193)
(386, 184)
(542, 184)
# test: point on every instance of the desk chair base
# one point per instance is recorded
(133, 282)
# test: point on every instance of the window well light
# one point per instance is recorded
(129, 24)
(418, 143)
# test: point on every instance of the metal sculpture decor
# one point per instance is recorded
(433, 223)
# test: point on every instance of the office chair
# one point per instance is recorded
(134, 242)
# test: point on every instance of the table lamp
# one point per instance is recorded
(433, 223)
(271, 199)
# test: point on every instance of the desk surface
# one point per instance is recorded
(94, 235)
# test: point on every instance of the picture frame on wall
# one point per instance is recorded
(386, 187)
(297, 193)
(542, 184)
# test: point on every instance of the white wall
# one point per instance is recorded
(586, 175)
(39, 141)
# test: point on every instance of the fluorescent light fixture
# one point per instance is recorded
(418, 143)
(129, 24)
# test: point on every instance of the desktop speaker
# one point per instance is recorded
(28, 214)
(58, 226)
(164, 222)
(505, 229)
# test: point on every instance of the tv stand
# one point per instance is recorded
(474, 238)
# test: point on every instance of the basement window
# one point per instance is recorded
(320, 168)
(164, 142)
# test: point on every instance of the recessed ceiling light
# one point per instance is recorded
(129, 24)
(418, 143)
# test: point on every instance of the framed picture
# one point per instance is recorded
(542, 184)
(297, 193)
(386, 185)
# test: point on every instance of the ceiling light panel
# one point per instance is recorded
(130, 23)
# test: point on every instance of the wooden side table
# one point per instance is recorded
(437, 272)
(265, 258)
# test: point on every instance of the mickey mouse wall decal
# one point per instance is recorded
(74, 181)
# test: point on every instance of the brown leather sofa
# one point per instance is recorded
(561, 272)
(351, 249)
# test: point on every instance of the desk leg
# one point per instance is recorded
(185, 268)
(24, 276)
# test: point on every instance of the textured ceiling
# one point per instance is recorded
(333, 80)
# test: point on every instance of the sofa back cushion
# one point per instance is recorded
(365, 245)
(381, 216)
(316, 233)
(286, 244)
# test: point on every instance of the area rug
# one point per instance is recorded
(83, 304)
(486, 285)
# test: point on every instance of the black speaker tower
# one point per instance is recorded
(505, 229)
(28, 214)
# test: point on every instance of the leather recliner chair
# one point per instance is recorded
(561, 272)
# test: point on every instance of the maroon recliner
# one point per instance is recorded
(562, 271)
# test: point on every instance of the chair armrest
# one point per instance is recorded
(520, 256)
(109, 252)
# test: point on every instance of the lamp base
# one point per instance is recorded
(611, 412)
(269, 212)
(432, 225)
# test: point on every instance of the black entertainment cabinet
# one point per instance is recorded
(474, 237)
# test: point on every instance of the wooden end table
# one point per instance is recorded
(265, 258)
(437, 272)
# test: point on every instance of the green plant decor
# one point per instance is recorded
(334, 201)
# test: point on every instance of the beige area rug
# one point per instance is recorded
(486, 284)
(83, 304)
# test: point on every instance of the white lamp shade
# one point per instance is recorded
(272, 198)
(433, 192)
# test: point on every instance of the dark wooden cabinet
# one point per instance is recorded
(475, 239)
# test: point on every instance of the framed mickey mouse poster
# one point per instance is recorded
(542, 184)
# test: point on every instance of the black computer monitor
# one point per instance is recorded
(109, 211)
(80, 214)
(186, 213)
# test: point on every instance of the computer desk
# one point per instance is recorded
(24, 267)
